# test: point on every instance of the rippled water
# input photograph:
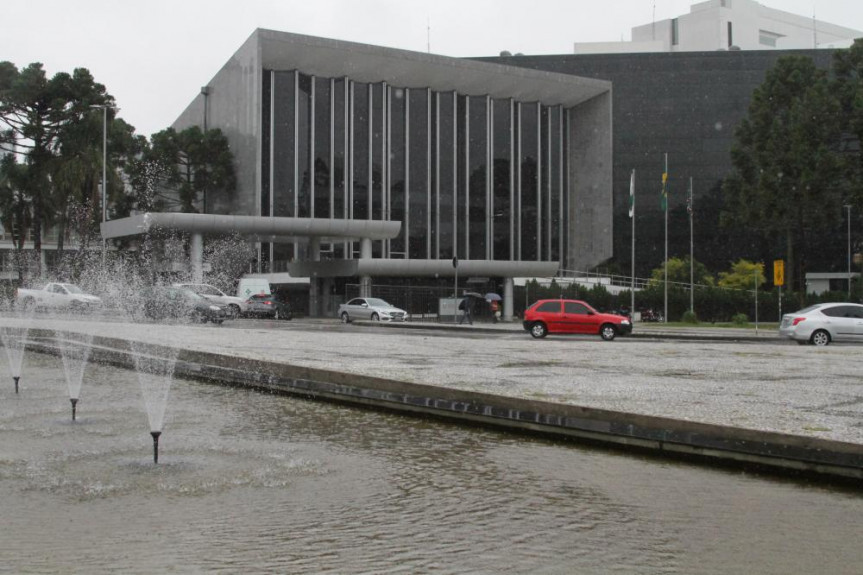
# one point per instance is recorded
(249, 482)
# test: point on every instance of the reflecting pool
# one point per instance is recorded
(252, 482)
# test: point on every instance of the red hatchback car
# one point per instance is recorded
(572, 316)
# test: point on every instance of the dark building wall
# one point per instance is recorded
(684, 104)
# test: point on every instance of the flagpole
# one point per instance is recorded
(632, 217)
(665, 198)
(690, 209)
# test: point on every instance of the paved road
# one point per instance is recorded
(767, 384)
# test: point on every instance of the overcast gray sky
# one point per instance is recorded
(154, 55)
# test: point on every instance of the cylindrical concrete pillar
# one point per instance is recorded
(507, 299)
(197, 254)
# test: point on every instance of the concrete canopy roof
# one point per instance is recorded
(407, 69)
(253, 227)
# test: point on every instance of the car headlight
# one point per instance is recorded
(215, 308)
(624, 322)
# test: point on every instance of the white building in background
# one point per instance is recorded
(729, 24)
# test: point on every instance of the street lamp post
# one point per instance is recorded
(848, 208)
(104, 108)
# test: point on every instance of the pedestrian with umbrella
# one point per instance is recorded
(466, 305)
(494, 303)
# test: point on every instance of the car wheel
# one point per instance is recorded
(538, 330)
(607, 332)
(345, 317)
(376, 317)
(820, 337)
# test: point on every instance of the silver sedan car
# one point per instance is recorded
(823, 323)
(371, 308)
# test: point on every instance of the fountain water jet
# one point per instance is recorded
(155, 435)
(75, 351)
(14, 344)
(155, 367)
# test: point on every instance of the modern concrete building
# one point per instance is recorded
(506, 169)
(686, 105)
(725, 25)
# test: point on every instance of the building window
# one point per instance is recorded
(675, 34)
(468, 176)
(766, 38)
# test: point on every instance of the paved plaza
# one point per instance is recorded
(739, 380)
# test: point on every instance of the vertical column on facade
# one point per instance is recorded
(365, 254)
(507, 299)
(314, 281)
(197, 254)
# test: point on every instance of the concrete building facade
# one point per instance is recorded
(506, 169)
(727, 25)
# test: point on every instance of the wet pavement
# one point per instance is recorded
(734, 378)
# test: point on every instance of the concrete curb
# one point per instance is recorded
(515, 328)
(660, 435)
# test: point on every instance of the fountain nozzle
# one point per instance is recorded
(16, 378)
(155, 435)
(74, 403)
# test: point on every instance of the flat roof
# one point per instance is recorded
(407, 69)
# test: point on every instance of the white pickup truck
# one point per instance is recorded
(57, 296)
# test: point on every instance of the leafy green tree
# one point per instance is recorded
(679, 272)
(743, 275)
(788, 173)
(181, 171)
(34, 112)
(848, 85)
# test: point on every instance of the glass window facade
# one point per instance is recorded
(467, 175)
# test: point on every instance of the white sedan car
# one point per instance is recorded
(371, 308)
(823, 323)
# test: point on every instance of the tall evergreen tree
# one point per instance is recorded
(787, 180)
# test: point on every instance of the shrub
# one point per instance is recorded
(740, 319)
(689, 317)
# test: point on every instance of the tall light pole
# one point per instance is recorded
(104, 167)
(848, 208)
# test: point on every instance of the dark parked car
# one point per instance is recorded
(572, 316)
(268, 305)
(175, 303)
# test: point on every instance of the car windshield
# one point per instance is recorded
(73, 288)
(376, 302)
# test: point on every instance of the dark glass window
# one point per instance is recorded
(549, 307)
(378, 121)
(529, 180)
(460, 208)
(544, 205)
(322, 148)
(446, 175)
(477, 199)
(418, 166)
(575, 308)
(555, 179)
(360, 156)
(266, 141)
(339, 158)
(304, 146)
(283, 144)
(397, 169)
(501, 178)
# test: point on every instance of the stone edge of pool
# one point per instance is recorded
(773, 451)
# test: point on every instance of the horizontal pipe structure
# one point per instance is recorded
(660, 435)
